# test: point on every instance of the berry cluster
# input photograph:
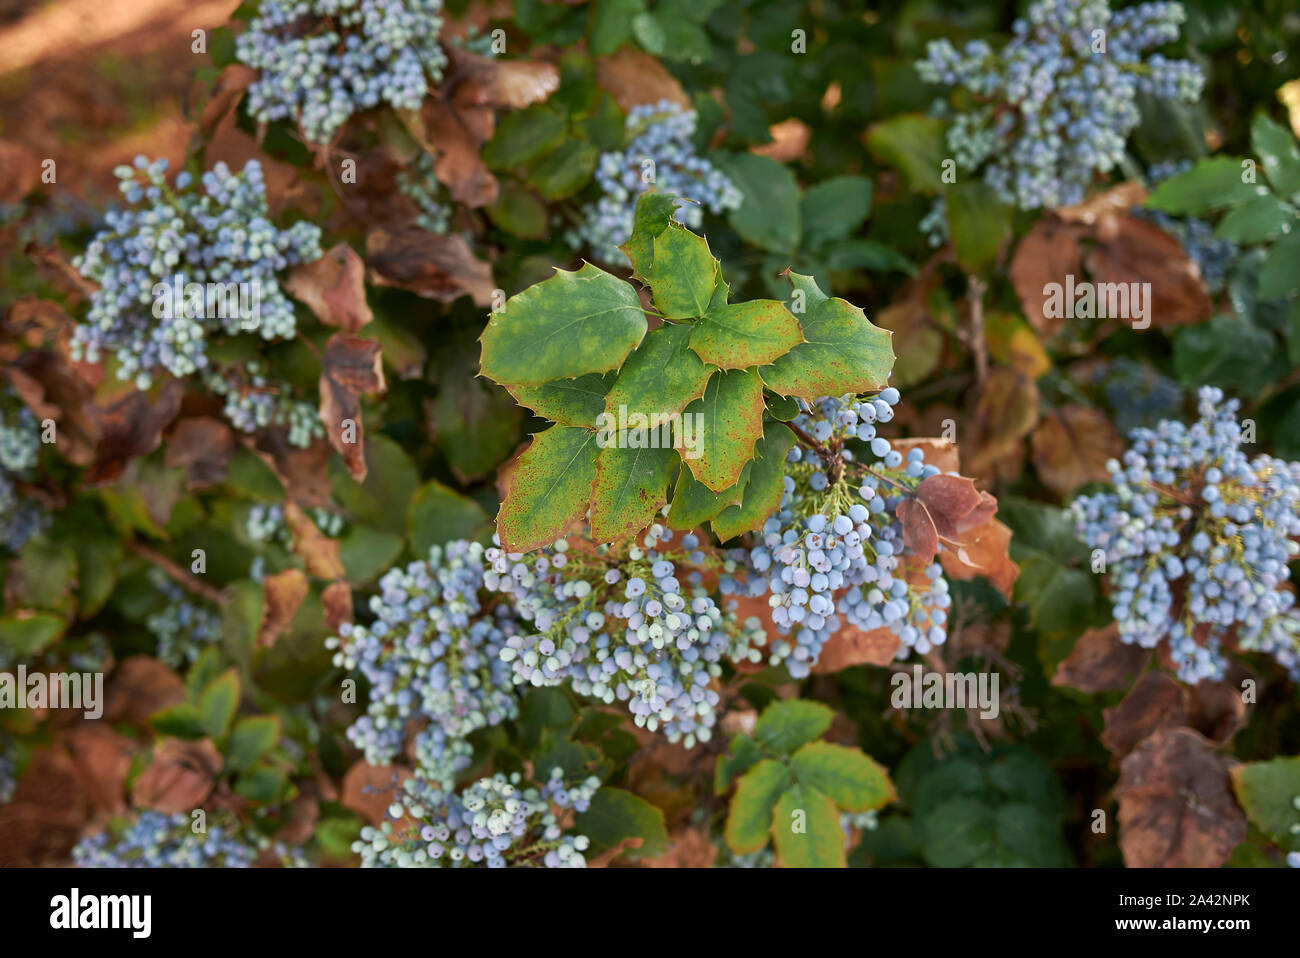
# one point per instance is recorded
(659, 157)
(158, 840)
(183, 627)
(1137, 394)
(427, 193)
(1056, 104)
(835, 548)
(620, 625)
(215, 253)
(21, 517)
(321, 61)
(434, 653)
(254, 401)
(495, 823)
(1197, 537)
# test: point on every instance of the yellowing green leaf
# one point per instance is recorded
(577, 322)
(547, 488)
(749, 817)
(631, 486)
(661, 377)
(843, 351)
(682, 275)
(730, 423)
(853, 780)
(806, 827)
(740, 335)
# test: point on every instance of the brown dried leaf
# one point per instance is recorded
(180, 777)
(1103, 206)
(1006, 412)
(687, 848)
(633, 77)
(352, 366)
(789, 141)
(129, 428)
(229, 89)
(203, 447)
(337, 601)
(457, 163)
(939, 453)
(1072, 445)
(102, 759)
(319, 553)
(1216, 709)
(604, 859)
(1130, 250)
(304, 472)
(1100, 662)
(513, 84)
(950, 500)
(1048, 253)
(43, 820)
(334, 288)
(284, 594)
(139, 687)
(436, 267)
(919, 533)
(1176, 805)
(369, 789)
(849, 645)
(20, 171)
(1154, 702)
(985, 552)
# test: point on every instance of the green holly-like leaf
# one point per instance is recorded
(681, 277)
(979, 223)
(1277, 276)
(912, 142)
(762, 494)
(218, 702)
(572, 402)
(547, 488)
(252, 738)
(834, 208)
(732, 422)
(577, 322)
(1278, 151)
(179, 721)
(1257, 220)
(694, 503)
(438, 514)
(615, 815)
(806, 827)
(1209, 185)
(843, 352)
(769, 215)
(749, 817)
(565, 171)
(854, 781)
(743, 755)
(957, 832)
(1267, 791)
(631, 486)
(661, 377)
(740, 335)
(654, 211)
(788, 724)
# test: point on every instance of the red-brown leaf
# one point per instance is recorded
(352, 367)
(334, 288)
